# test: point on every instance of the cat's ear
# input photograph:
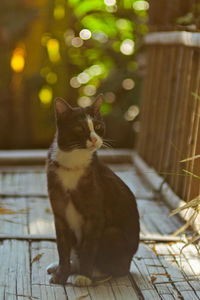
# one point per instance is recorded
(61, 106)
(96, 106)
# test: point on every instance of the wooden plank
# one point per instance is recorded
(153, 107)
(150, 53)
(20, 157)
(23, 184)
(180, 131)
(38, 157)
(102, 292)
(15, 220)
(191, 185)
(168, 149)
(40, 217)
(47, 237)
(167, 65)
(151, 220)
(166, 103)
(140, 273)
(186, 123)
(189, 39)
(143, 281)
(158, 269)
(15, 271)
(16, 184)
(180, 270)
(139, 188)
(39, 278)
(148, 90)
(123, 289)
(41, 222)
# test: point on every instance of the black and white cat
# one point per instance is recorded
(95, 213)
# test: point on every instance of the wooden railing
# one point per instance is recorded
(170, 114)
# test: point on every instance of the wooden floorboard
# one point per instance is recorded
(42, 254)
(158, 271)
(15, 270)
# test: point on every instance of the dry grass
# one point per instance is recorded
(194, 204)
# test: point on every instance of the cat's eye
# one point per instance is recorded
(98, 127)
(78, 129)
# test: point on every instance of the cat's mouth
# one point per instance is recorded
(92, 146)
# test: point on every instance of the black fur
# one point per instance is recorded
(110, 232)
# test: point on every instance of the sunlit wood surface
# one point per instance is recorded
(158, 271)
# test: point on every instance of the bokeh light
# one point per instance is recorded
(74, 82)
(127, 47)
(140, 5)
(89, 90)
(122, 24)
(95, 70)
(51, 78)
(85, 34)
(44, 39)
(77, 42)
(17, 60)
(68, 36)
(59, 12)
(53, 49)
(128, 84)
(132, 113)
(111, 8)
(110, 97)
(44, 71)
(84, 101)
(46, 95)
(110, 2)
(100, 36)
(83, 77)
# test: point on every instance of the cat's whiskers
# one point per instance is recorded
(109, 142)
(106, 145)
(108, 139)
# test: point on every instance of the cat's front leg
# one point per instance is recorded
(87, 254)
(89, 246)
(63, 270)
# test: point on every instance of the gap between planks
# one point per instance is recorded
(149, 237)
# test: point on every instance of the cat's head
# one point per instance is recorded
(79, 128)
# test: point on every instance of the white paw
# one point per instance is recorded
(80, 280)
(52, 267)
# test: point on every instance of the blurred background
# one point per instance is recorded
(72, 49)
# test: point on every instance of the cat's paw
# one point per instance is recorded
(58, 279)
(81, 280)
(52, 268)
(60, 276)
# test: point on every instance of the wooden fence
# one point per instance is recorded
(170, 115)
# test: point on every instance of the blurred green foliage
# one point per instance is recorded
(73, 49)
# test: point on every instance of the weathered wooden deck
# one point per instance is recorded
(158, 271)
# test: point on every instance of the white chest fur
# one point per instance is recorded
(75, 220)
(77, 160)
(69, 179)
